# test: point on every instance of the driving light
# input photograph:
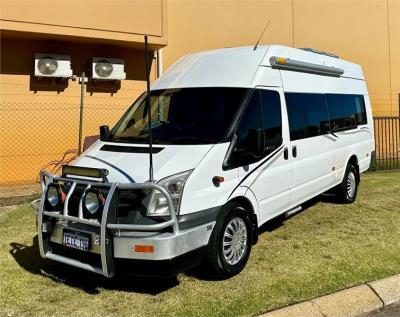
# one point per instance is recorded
(93, 202)
(47, 66)
(104, 69)
(52, 196)
(174, 185)
(55, 196)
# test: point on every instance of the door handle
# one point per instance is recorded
(286, 153)
(294, 151)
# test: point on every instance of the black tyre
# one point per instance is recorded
(230, 243)
(346, 192)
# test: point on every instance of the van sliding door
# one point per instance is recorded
(310, 149)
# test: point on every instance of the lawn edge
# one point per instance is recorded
(354, 301)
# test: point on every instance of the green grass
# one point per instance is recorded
(325, 248)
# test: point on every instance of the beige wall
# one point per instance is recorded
(364, 31)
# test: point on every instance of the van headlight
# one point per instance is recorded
(174, 186)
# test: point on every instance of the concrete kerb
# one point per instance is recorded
(354, 301)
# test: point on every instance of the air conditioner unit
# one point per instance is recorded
(52, 65)
(108, 68)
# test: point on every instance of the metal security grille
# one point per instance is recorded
(34, 134)
(387, 143)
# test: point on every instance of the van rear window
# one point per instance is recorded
(316, 114)
(346, 111)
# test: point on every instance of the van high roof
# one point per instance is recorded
(237, 67)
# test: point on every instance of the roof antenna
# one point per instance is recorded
(148, 105)
(255, 46)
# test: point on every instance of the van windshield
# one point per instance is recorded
(181, 116)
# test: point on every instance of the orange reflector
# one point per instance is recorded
(144, 248)
(281, 60)
(219, 179)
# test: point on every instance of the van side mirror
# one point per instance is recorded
(244, 154)
(104, 132)
(256, 141)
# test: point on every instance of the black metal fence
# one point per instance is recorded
(387, 143)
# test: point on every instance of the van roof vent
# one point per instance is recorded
(308, 49)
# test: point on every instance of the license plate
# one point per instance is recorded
(76, 240)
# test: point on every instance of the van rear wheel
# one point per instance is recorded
(346, 192)
(230, 243)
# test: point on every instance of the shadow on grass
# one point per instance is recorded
(279, 221)
(203, 273)
(29, 259)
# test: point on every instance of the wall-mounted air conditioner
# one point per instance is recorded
(108, 68)
(52, 65)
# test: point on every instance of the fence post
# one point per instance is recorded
(387, 142)
(82, 82)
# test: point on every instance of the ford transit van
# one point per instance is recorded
(239, 136)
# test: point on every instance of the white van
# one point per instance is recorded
(239, 136)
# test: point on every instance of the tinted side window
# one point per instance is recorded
(342, 111)
(361, 115)
(308, 115)
(271, 119)
(261, 118)
(251, 120)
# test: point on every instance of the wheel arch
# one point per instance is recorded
(247, 200)
(353, 160)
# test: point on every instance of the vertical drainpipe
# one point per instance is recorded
(159, 63)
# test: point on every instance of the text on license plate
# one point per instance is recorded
(76, 240)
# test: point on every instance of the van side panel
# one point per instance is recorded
(303, 82)
(369, 145)
(199, 192)
(321, 160)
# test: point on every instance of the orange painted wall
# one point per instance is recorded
(39, 118)
(117, 21)
(364, 31)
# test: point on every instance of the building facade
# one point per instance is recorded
(39, 117)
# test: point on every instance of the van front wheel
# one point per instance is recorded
(230, 243)
(346, 192)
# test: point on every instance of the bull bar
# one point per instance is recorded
(107, 267)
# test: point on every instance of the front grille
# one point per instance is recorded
(73, 204)
(82, 256)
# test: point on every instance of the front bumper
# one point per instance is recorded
(111, 241)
